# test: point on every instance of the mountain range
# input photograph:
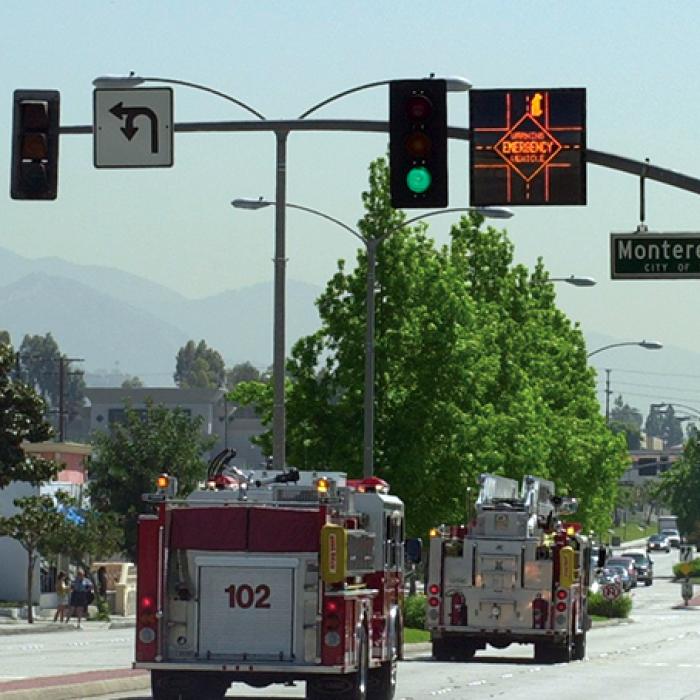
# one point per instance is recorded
(119, 323)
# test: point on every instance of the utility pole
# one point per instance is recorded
(608, 391)
(62, 363)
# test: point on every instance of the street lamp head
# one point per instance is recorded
(650, 345)
(494, 212)
(456, 83)
(251, 203)
(118, 81)
(580, 281)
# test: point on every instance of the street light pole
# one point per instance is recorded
(281, 130)
(371, 246)
(646, 344)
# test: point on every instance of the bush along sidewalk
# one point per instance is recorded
(694, 572)
(414, 611)
(599, 605)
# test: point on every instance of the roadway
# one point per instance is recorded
(656, 655)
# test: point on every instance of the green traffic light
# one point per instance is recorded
(418, 179)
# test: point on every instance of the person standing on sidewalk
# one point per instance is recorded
(62, 594)
(80, 597)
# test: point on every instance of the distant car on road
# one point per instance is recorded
(627, 563)
(616, 574)
(658, 542)
(644, 566)
(673, 537)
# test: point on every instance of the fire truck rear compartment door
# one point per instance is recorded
(247, 610)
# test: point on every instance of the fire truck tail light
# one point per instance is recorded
(323, 485)
(561, 607)
(433, 602)
(148, 604)
(433, 589)
(332, 606)
(562, 594)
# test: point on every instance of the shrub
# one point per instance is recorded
(414, 611)
(694, 572)
(599, 605)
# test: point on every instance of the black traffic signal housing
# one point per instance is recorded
(35, 126)
(418, 143)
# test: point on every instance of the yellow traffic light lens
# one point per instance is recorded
(418, 144)
(35, 147)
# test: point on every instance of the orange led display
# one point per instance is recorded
(527, 147)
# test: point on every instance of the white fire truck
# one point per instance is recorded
(515, 574)
(271, 577)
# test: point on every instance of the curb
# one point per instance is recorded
(40, 628)
(77, 685)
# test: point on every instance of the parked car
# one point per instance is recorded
(673, 536)
(658, 542)
(626, 563)
(617, 574)
(644, 566)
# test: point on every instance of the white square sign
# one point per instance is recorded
(133, 128)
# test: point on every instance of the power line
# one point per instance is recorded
(655, 374)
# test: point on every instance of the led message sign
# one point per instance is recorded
(527, 147)
(644, 256)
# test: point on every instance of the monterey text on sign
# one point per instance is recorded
(655, 255)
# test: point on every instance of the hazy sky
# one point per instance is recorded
(638, 61)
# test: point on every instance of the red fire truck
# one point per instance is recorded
(271, 577)
(516, 574)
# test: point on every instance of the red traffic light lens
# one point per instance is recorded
(418, 144)
(418, 107)
(35, 115)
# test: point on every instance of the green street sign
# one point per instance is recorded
(650, 256)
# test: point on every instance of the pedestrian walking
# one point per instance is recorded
(81, 595)
(63, 596)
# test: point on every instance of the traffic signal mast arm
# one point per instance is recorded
(606, 160)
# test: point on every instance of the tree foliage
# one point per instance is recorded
(199, 367)
(628, 420)
(32, 526)
(680, 489)
(21, 419)
(242, 372)
(127, 461)
(662, 423)
(40, 365)
(477, 370)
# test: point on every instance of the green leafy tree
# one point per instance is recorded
(40, 365)
(199, 367)
(132, 383)
(33, 526)
(5, 338)
(127, 461)
(679, 488)
(21, 419)
(243, 372)
(628, 420)
(476, 370)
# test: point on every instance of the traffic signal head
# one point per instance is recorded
(418, 143)
(35, 125)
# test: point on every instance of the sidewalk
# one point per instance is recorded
(76, 685)
(9, 626)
